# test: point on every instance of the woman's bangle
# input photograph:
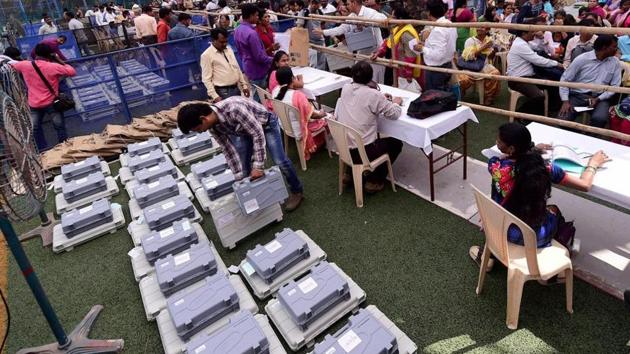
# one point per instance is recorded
(590, 167)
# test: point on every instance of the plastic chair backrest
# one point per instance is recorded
(495, 221)
(283, 111)
(263, 94)
(340, 134)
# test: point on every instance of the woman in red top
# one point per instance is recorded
(265, 32)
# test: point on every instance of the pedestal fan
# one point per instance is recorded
(22, 192)
(12, 84)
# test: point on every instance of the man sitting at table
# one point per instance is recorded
(359, 107)
(599, 66)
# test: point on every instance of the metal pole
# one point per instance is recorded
(33, 282)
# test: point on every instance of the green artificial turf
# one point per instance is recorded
(410, 257)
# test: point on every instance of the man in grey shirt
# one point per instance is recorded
(599, 66)
(360, 107)
(313, 38)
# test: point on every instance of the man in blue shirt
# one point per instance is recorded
(599, 66)
(181, 30)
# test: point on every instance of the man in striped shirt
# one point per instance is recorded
(244, 128)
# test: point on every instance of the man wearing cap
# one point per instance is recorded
(599, 66)
(245, 130)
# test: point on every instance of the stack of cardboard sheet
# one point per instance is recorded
(113, 139)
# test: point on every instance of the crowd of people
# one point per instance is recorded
(246, 129)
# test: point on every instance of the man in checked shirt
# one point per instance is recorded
(243, 128)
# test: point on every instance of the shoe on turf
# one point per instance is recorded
(475, 253)
(374, 187)
(293, 202)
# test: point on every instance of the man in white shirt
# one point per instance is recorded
(98, 16)
(521, 60)
(356, 8)
(109, 16)
(77, 28)
(439, 48)
(48, 27)
(92, 11)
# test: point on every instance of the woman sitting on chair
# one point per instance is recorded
(521, 183)
(309, 119)
(475, 48)
(280, 60)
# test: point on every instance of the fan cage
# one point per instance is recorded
(22, 180)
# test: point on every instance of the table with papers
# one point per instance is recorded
(421, 132)
(318, 82)
(610, 183)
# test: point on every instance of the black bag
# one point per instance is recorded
(565, 232)
(432, 102)
(62, 102)
(472, 65)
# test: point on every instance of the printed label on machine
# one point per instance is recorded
(307, 285)
(273, 246)
(182, 258)
(251, 206)
(168, 205)
(167, 232)
(349, 341)
(85, 210)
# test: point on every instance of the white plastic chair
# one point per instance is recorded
(340, 134)
(523, 262)
(515, 95)
(263, 94)
(284, 112)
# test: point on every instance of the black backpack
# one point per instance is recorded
(432, 102)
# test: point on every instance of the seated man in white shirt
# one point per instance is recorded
(439, 48)
(520, 62)
(360, 107)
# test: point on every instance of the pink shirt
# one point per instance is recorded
(600, 11)
(38, 94)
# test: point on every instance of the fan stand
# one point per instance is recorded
(77, 342)
(44, 230)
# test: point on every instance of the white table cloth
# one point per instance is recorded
(611, 182)
(420, 132)
(319, 82)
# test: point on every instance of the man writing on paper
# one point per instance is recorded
(360, 106)
(357, 9)
(599, 66)
(220, 72)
